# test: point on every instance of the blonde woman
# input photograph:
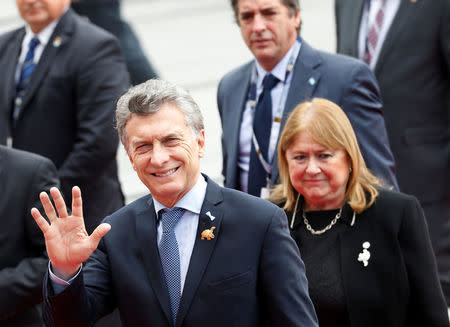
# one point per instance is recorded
(366, 249)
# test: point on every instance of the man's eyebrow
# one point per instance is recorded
(136, 143)
(262, 10)
(268, 9)
(171, 135)
(246, 12)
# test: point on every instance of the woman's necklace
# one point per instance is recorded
(318, 232)
(308, 226)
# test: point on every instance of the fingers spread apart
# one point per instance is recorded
(60, 205)
(98, 233)
(40, 221)
(77, 203)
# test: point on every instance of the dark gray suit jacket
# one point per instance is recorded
(413, 71)
(341, 79)
(68, 109)
(23, 262)
(249, 275)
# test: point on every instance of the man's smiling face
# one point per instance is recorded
(165, 153)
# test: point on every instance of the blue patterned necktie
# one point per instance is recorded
(24, 78)
(262, 126)
(170, 256)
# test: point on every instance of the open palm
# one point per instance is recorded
(68, 244)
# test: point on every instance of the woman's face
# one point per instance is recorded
(318, 173)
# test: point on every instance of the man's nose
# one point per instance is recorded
(259, 23)
(159, 156)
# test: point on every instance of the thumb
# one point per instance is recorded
(98, 233)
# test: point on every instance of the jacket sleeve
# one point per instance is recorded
(427, 305)
(224, 150)
(361, 101)
(284, 286)
(86, 299)
(21, 285)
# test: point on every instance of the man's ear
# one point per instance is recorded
(298, 19)
(201, 143)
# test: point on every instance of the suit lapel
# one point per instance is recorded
(358, 6)
(62, 32)
(202, 248)
(237, 106)
(350, 244)
(148, 246)
(405, 13)
(354, 25)
(10, 59)
(3, 199)
(305, 78)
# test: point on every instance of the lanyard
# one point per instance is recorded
(251, 98)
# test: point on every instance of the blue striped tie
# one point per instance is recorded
(25, 75)
(170, 256)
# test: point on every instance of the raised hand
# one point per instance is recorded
(68, 244)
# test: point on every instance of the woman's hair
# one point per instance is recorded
(328, 126)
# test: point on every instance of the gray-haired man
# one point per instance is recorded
(190, 254)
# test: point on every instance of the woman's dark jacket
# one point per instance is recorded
(400, 285)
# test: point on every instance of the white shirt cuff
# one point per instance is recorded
(60, 284)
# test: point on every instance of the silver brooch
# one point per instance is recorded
(364, 256)
(210, 215)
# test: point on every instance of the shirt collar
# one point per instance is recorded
(191, 201)
(43, 35)
(279, 71)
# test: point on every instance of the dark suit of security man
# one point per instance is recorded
(67, 107)
(23, 261)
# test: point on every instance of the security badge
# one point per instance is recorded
(265, 191)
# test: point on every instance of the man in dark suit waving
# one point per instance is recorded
(190, 254)
(412, 65)
(60, 78)
(253, 111)
(23, 262)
